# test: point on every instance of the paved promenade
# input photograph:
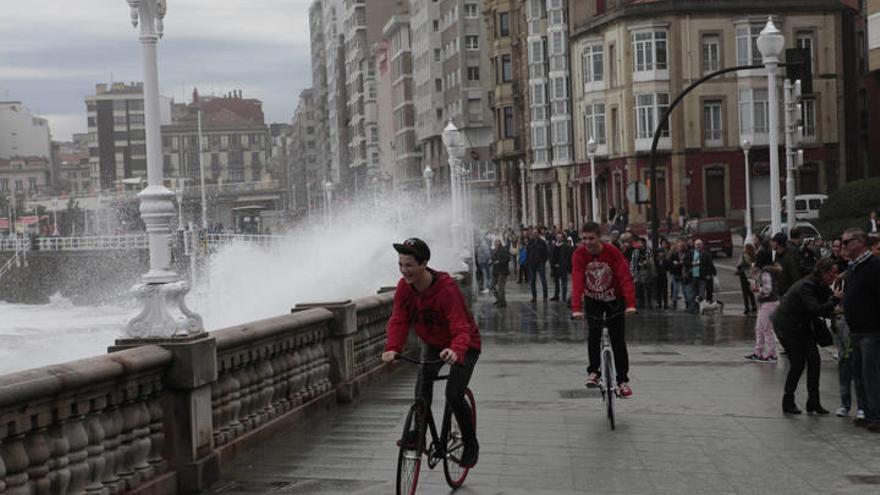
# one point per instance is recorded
(703, 420)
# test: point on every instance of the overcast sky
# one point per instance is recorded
(52, 52)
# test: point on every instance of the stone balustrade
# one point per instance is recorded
(165, 416)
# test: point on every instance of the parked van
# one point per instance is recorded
(806, 206)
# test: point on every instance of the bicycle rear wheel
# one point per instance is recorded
(455, 474)
(409, 459)
(607, 375)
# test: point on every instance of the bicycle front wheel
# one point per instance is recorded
(607, 377)
(409, 459)
(455, 474)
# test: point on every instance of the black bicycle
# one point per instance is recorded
(447, 447)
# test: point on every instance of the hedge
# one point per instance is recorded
(848, 207)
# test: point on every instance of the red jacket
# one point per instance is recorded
(439, 315)
(602, 278)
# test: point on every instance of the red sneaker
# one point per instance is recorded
(592, 380)
(624, 390)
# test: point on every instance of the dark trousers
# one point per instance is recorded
(748, 295)
(802, 351)
(560, 279)
(500, 280)
(594, 310)
(459, 377)
(522, 274)
(866, 360)
(710, 288)
(535, 272)
(662, 292)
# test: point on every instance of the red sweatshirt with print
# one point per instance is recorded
(602, 278)
(439, 315)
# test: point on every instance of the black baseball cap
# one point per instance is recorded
(414, 247)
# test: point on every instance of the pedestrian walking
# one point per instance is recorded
(797, 320)
(560, 267)
(762, 284)
(662, 281)
(500, 262)
(746, 262)
(536, 261)
(790, 270)
(702, 273)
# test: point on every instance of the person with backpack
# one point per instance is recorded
(765, 292)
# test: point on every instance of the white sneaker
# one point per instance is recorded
(842, 412)
(860, 414)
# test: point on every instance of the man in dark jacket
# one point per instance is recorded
(500, 262)
(861, 308)
(536, 260)
(790, 270)
(703, 271)
(806, 300)
(560, 266)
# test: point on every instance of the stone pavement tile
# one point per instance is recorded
(689, 482)
(618, 479)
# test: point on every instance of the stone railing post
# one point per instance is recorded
(188, 418)
(339, 345)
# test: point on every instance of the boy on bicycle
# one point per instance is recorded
(431, 302)
(601, 284)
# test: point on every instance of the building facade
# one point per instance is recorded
(306, 172)
(117, 136)
(631, 59)
(23, 133)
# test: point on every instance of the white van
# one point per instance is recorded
(806, 206)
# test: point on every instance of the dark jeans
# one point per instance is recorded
(802, 351)
(847, 379)
(866, 358)
(459, 377)
(500, 280)
(534, 272)
(522, 274)
(594, 310)
(662, 291)
(748, 295)
(560, 278)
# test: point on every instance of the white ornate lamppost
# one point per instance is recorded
(428, 175)
(594, 200)
(771, 42)
(746, 146)
(522, 192)
(328, 203)
(454, 143)
(161, 291)
(55, 216)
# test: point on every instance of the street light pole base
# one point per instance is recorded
(165, 313)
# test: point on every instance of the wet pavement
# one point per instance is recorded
(703, 420)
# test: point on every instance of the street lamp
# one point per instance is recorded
(770, 44)
(454, 143)
(179, 204)
(746, 146)
(55, 216)
(161, 291)
(594, 201)
(522, 192)
(428, 175)
(328, 200)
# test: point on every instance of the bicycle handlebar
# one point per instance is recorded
(408, 359)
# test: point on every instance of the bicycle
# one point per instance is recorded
(607, 371)
(446, 448)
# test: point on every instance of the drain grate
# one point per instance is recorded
(864, 479)
(580, 393)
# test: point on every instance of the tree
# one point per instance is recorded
(849, 207)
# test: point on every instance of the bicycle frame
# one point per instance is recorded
(607, 357)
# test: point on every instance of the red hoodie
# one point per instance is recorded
(603, 278)
(439, 315)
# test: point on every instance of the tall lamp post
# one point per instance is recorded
(746, 146)
(328, 203)
(161, 291)
(594, 201)
(428, 175)
(202, 173)
(454, 143)
(770, 44)
(522, 192)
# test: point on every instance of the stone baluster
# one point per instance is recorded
(77, 455)
(217, 399)
(97, 460)
(59, 458)
(299, 377)
(141, 443)
(17, 462)
(290, 364)
(254, 393)
(279, 377)
(157, 432)
(244, 378)
(37, 449)
(235, 425)
(112, 423)
(222, 429)
(267, 390)
(126, 445)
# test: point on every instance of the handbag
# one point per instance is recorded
(821, 333)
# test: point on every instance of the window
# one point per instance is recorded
(754, 112)
(471, 10)
(436, 25)
(649, 109)
(539, 136)
(537, 94)
(506, 69)
(136, 105)
(805, 40)
(808, 107)
(32, 184)
(649, 48)
(472, 42)
(436, 54)
(504, 24)
(594, 122)
(120, 120)
(473, 73)
(592, 63)
(438, 84)
(18, 186)
(137, 119)
(747, 45)
(711, 54)
(712, 123)
(4, 185)
(560, 88)
(508, 130)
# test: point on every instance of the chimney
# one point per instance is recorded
(100, 88)
(195, 96)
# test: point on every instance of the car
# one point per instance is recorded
(713, 231)
(806, 206)
(808, 231)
